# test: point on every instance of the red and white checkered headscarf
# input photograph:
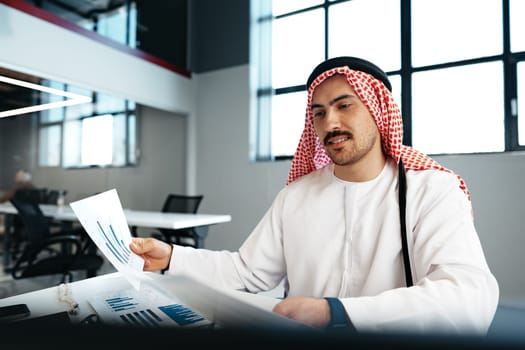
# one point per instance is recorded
(310, 154)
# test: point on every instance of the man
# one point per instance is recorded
(22, 182)
(335, 233)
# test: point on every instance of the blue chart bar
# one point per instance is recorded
(180, 314)
(119, 304)
(115, 244)
(141, 318)
(136, 317)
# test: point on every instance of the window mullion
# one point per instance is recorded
(406, 71)
(510, 84)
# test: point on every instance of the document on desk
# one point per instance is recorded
(104, 220)
(148, 307)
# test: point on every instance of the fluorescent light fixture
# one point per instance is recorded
(73, 99)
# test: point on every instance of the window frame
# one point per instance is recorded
(509, 60)
(130, 111)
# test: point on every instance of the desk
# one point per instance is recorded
(139, 218)
(218, 306)
(284, 335)
(252, 310)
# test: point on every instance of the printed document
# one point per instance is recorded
(103, 219)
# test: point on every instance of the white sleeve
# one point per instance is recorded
(454, 289)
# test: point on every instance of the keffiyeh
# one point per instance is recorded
(373, 88)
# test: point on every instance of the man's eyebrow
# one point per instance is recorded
(338, 98)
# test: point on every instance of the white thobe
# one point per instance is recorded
(331, 238)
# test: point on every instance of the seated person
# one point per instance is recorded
(22, 182)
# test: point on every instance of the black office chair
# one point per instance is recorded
(177, 203)
(52, 196)
(37, 195)
(46, 253)
(31, 194)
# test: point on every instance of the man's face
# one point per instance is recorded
(20, 176)
(343, 123)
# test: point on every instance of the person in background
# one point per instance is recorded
(22, 181)
(356, 250)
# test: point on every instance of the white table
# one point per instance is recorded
(142, 218)
(224, 308)
(262, 329)
(135, 218)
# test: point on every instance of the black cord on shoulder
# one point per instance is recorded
(402, 217)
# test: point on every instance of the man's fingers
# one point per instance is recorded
(140, 245)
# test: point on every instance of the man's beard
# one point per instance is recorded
(354, 150)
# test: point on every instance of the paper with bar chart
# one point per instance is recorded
(103, 219)
(145, 308)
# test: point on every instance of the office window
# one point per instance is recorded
(519, 107)
(448, 68)
(517, 25)
(302, 34)
(459, 109)
(131, 138)
(282, 7)
(116, 20)
(49, 146)
(82, 109)
(96, 140)
(102, 133)
(54, 114)
(114, 25)
(297, 47)
(287, 123)
(377, 39)
(452, 30)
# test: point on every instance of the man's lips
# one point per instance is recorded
(335, 138)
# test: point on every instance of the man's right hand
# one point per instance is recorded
(156, 253)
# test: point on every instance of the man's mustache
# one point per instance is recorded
(334, 134)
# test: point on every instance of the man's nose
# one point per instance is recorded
(333, 120)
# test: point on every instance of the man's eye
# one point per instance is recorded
(344, 105)
(318, 114)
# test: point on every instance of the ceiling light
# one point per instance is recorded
(72, 99)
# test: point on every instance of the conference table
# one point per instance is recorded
(134, 218)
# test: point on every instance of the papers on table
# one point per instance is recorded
(103, 219)
(147, 308)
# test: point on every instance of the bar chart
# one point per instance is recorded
(145, 308)
(115, 243)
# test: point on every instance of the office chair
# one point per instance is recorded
(177, 203)
(46, 253)
(52, 196)
(32, 194)
(37, 195)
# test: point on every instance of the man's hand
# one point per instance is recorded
(156, 253)
(314, 312)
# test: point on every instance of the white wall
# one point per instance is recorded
(233, 185)
(230, 182)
